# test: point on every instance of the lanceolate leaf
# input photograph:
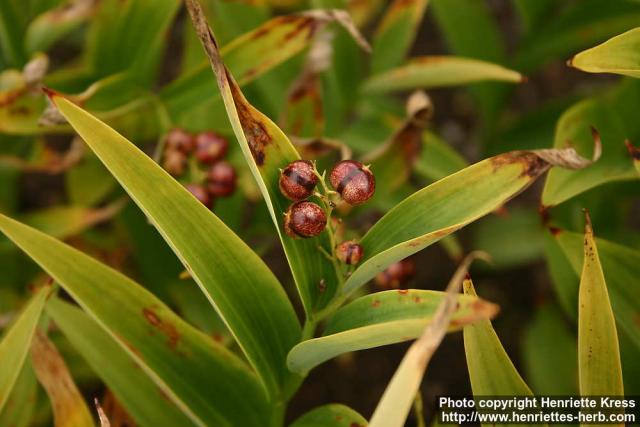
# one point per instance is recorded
(267, 149)
(598, 349)
(332, 415)
(255, 308)
(617, 55)
(21, 404)
(446, 206)
(207, 382)
(134, 389)
(573, 130)
(490, 370)
(396, 33)
(439, 71)
(69, 408)
(15, 343)
(620, 265)
(380, 319)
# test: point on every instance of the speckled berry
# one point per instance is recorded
(210, 147)
(199, 193)
(353, 181)
(221, 179)
(397, 274)
(298, 180)
(304, 219)
(179, 140)
(349, 252)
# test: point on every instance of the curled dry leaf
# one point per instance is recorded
(343, 18)
(568, 158)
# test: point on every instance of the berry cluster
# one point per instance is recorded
(202, 156)
(352, 182)
(397, 274)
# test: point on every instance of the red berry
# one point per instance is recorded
(304, 219)
(353, 181)
(397, 274)
(298, 180)
(200, 193)
(180, 140)
(221, 179)
(210, 147)
(174, 162)
(349, 252)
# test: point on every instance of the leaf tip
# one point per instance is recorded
(634, 151)
(588, 226)
(51, 94)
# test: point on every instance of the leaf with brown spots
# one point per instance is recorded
(332, 415)
(69, 408)
(183, 362)
(449, 204)
(267, 150)
(620, 265)
(147, 403)
(393, 162)
(383, 318)
(599, 368)
(15, 343)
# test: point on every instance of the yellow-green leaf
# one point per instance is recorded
(618, 55)
(22, 402)
(490, 370)
(69, 408)
(137, 393)
(396, 33)
(383, 318)
(448, 205)
(256, 308)
(599, 365)
(15, 343)
(185, 363)
(439, 71)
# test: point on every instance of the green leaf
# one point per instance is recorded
(47, 28)
(618, 55)
(380, 319)
(139, 395)
(22, 400)
(15, 343)
(438, 159)
(551, 370)
(439, 71)
(129, 36)
(332, 415)
(248, 57)
(395, 33)
(256, 308)
(573, 130)
(267, 150)
(443, 208)
(598, 349)
(183, 362)
(490, 370)
(11, 35)
(620, 265)
(69, 407)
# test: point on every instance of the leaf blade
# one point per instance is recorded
(265, 330)
(15, 343)
(618, 55)
(332, 415)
